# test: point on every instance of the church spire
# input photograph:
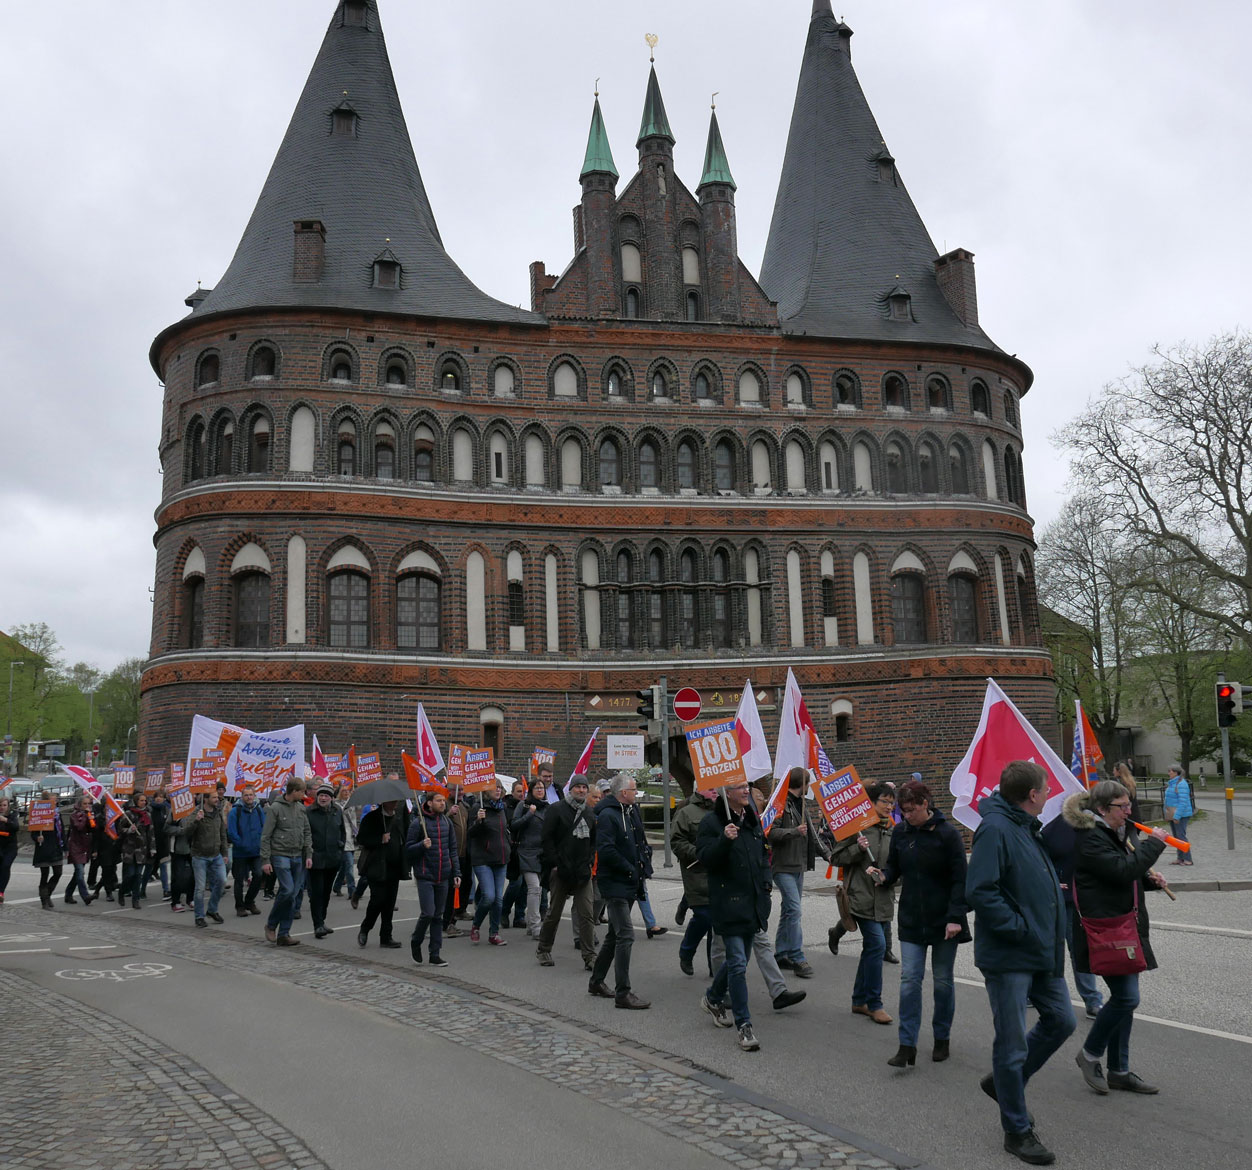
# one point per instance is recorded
(344, 189)
(716, 166)
(599, 158)
(845, 233)
(655, 123)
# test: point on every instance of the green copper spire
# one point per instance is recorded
(599, 157)
(716, 168)
(655, 124)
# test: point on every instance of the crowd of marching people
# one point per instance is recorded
(520, 857)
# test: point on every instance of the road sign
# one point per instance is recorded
(687, 704)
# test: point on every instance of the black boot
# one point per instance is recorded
(905, 1055)
(833, 935)
(941, 1051)
(45, 898)
(69, 897)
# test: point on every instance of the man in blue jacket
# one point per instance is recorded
(243, 827)
(1019, 946)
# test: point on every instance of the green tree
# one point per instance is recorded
(117, 706)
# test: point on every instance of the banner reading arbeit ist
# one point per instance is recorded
(247, 753)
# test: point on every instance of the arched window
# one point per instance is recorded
(349, 610)
(252, 609)
(723, 467)
(720, 630)
(210, 370)
(749, 387)
(649, 465)
(686, 464)
(1010, 409)
(828, 597)
(610, 464)
(462, 456)
(958, 466)
(660, 385)
(632, 264)
(863, 467)
(1025, 613)
(565, 381)
(979, 400)
(498, 459)
(794, 462)
(897, 471)
(614, 385)
(195, 454)
(843, 728)
(908, 607)
(571, 464)
(424, 455)
(656, 601)
(963, 598)
(340, 366)
(397, 372)
(347, 454)
(928, 469)
(193, 613)
(1012, 476)
(535, 463)
(418, 612)
(687, 631)
(259, 446)
(830, 468)
(847, 391)
(384, 458)
(264, 361)
(503, 381)
(632, 303)
(795, 390)
(450, 377)
(703, 388)
(895, 392)
(226, 449)
(693, 306)
(937, 393)
(625, 626)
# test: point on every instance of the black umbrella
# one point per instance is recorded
(379, 792)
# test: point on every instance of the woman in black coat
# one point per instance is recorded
(9, 829)
(1112, 874)
(927, 855)
(381, 840)
(49, 856)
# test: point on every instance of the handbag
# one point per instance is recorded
(846, 920)
(1113, 944)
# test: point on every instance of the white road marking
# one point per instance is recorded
(309, 933)
(1147, 1019)
(33, 951)
(1202, 929)
(18, 901)
(103, 947)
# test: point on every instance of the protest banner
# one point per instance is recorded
(624, 751)
(419, 778)
(153, 780)
(246, 753)
(480, 770)
(41, 816)
(715, 756)
(368, 768)
(182, 802)
(203, 777)
(123, 780)
(846, 804)
(455, 775)
(178, 775)
(542, 757)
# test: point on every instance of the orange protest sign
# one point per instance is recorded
(178, 775)
(368, 768)
(123, 780)
(846, 804)
(455, 774)
(715, 755)
(541, 757)
(204, 776)
(480, 770)
(181, 803)
(42, 816)
(153, 779)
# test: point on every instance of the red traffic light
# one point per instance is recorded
(1225, 691)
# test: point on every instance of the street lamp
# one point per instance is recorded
(133, 728)
(8, 729)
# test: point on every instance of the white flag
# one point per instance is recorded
(751, 736)
(428, 753)
(793, 744)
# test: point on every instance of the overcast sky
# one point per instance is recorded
(1094, 156)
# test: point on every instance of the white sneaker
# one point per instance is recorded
(747, 1038)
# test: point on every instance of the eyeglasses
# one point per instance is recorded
(1120, 804)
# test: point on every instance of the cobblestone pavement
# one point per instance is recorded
(660, 1089)
(149, 1108)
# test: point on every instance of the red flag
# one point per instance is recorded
(584, 760)
(419, 778)
(318, 763)
(428, 753)
(112, 814)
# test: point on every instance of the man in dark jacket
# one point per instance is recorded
(731, 846)
(794, 843)
(328, 839)
(567, 848)
(206, 836)
(621, 850)
(381, 838)
(1019, 946)
(431, 850)
(244, 823)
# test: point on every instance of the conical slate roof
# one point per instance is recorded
(366, 189)
(716, 165)
(655, 122)
(599, 157)
(844, 231)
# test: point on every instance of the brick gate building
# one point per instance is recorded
(381, 484)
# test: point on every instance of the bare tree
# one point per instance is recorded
(1084, 573)
(1171, 448)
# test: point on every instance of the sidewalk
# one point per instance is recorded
(1216, 867)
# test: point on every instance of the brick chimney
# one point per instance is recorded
(955, 272)
(540, 282)
(309, 257)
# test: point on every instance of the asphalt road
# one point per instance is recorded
(296, 1053)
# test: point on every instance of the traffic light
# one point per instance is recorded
(648, 704)
(1229, 703)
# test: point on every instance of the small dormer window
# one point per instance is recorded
(386, 272)
(354, 12)
(900, 304)
(886, 168)
(343, 122)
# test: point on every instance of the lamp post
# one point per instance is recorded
(8, 728)
(133, 728)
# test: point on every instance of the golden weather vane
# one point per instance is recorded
(652, 40)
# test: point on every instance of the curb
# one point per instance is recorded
(1203, 887)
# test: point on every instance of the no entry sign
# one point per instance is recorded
(687, 704)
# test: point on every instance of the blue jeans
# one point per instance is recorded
(1178, 829)
(1088, 988)
(345, 877)
(698, 926)
(867, 989)
(290, 874)
(789, 941)
(1111, 1029)
(913, 975)
(732, 976)
(430, 901)
(208, 870)
(645, 908)
(490, 898)
(1015, 1056)
(80, 880)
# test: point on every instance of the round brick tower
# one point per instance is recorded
(382, 486)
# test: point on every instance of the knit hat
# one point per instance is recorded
(324, 787)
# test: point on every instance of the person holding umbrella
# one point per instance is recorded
(381, 838)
